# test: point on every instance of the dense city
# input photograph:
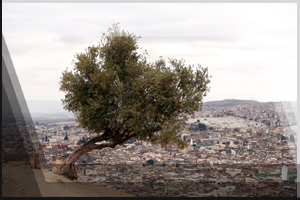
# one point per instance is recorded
(235, 148)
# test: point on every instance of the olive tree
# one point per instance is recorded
(117, 95)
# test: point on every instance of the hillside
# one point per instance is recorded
(229, 102)
(15, 184)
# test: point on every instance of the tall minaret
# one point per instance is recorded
(284, 173)
(58, 161)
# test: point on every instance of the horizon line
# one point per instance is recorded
(203, 101)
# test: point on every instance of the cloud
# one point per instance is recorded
(248, 48)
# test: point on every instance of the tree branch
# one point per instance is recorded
(103, 145)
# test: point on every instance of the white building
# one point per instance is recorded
(233, 152)
(192, 142)
(90, 171)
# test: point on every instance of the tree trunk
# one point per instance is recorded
(67, 168)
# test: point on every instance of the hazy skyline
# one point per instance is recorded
(249, 48)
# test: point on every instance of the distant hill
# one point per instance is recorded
(229, 102)
(54, 109)
(214, 105)
(47, 109)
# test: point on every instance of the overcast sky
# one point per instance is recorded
(250, 49)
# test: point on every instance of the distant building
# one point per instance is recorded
(271, 123)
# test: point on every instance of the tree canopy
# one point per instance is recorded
(116, 93)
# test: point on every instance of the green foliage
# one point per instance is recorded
(113, 87)
(150, 162)
(66, 137)
(83, 140)
(265, 175)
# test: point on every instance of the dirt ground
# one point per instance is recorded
(19, 181)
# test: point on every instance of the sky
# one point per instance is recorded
(250, 49)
